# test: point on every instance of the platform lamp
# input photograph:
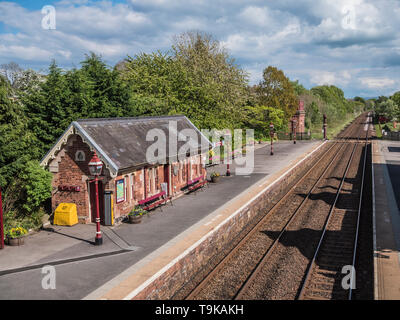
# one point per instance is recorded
(227, 145)
(95, 167)
(271, 133)
(294, 123)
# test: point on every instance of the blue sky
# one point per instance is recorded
(353, 44)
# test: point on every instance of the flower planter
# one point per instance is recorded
(135, 219)
(16, 241)
(215, 179)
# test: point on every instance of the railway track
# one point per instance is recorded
(245, 270)
(337, 247)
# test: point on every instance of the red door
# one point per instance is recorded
(93, 201)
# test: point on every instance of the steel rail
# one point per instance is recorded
(223, 262)
(239, 295)
(359, 213)
(328, 219)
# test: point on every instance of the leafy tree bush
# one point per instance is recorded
(259, 118)
(196, 78)
(276, 91)
(389, 109)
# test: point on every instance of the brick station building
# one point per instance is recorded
(130, 173)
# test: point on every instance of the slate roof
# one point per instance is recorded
(121, 142)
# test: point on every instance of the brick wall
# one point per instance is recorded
(151, 178)
(69, 172)
(72, 173)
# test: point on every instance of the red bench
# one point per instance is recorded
(196, 183)
(154, 201)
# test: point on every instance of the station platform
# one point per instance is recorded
(132, 257)
(386, 204)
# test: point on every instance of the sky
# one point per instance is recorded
(353, 44)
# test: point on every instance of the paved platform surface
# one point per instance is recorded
(94, 272)
(386, 175)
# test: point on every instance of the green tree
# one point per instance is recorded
(217, 84)
(396, 98)
(89, 92)
(17, 143)
(259, 118)
(108, 95)
(389, 109)
(47, 108)
(276, 91)
(197, 79)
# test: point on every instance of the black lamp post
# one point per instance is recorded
(227, 145)
(95, 167)
(271, 133)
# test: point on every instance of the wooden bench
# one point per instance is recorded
(196, 183)
(154, 201)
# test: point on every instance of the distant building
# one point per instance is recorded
(128, 173)
(300, 119)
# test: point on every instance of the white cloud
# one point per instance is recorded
(377, 83)
(306, 39)
(256, 15)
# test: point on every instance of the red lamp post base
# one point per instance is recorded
(228, 171)
(98, 241)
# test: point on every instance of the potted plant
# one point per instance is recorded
(215, 176)
(135, 216)
(15, 236)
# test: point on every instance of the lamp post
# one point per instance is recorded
(227, 145)
(324, 126)
(1, 224)
(294, 130)
(271, 133)
(95, 166)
